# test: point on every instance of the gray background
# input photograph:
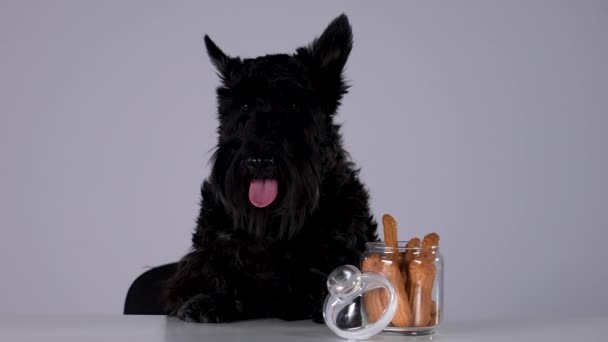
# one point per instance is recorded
(482, 120)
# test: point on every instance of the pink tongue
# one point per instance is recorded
(263, 192)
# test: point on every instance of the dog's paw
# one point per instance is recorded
(209, 309)
(317, 317)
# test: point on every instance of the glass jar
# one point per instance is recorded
(416, 274)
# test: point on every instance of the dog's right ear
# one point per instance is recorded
(218, 57)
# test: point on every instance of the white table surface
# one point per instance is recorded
(17, 328)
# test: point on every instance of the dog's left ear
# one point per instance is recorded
(217, 56)
(331, 49)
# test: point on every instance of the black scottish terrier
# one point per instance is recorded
(284, 205)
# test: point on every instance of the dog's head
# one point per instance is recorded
(276, 130)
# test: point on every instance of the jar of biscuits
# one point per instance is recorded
(398, 288)
(415, 270)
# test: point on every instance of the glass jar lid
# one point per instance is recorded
(346, 285)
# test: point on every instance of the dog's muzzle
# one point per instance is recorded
(260, 166)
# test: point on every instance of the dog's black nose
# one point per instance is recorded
(260, 164)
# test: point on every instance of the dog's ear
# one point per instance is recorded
(217, 56)
(331, 49)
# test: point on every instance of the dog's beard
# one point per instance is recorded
(298, 184)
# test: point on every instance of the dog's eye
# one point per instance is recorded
(245, 108)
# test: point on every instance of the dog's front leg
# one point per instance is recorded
(337, 250)
(203, 288)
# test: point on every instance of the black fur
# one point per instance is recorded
(248, 262)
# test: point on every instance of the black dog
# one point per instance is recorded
(284, 205)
